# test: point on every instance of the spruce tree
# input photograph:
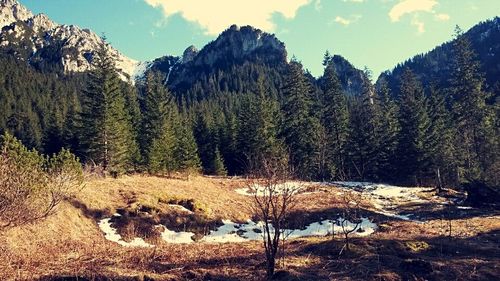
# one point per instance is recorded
(364, 129)
(186, 151)
(475, 137)
(157, 128)
(107, 135)
(335, 120)
(441, 148)
(387, 132)
(258, 134)
(300, 126)
(413, 159)
(219, 167)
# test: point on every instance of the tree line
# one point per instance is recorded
(415, 136)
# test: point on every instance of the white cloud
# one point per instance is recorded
(317, 5)
(217, 15)
(347, 21)
(442, 17)
(419, 24)
(411, 6)
(342, 21)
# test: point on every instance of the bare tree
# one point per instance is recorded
(351, 218)
(273, 200)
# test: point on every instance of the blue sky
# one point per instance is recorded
(373, 33)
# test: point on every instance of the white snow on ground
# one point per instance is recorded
(260, 190)
(231, 232)
(111, 235)
(174, 237)
(180, 208)
(386, 198)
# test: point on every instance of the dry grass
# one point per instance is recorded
(69, 243)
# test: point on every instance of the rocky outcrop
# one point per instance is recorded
(37, 38)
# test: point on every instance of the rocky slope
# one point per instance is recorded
(41, 42)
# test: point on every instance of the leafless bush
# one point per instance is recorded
(351, 217)
(273, 201)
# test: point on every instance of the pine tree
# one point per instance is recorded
(106, 136)
(441, 149)
(335, 120)
(157, 128)
(473, 118)
(219, 167)
(413, 159)
(363, 132)
(300, 126)
(258, 134)
(387, 133)
(186, 151)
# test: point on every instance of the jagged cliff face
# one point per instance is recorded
(351, 78)
(11, 11)
(37, 38)
(236, 44)
(234, 55)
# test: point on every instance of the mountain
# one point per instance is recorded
(351, 78)
(44, 44)
(436, 65)
(230, 63)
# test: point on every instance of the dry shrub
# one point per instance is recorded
(32, 185)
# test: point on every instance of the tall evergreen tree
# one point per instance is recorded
(441, 149)
(413, 161)
(363, 132)
(107, 135)
(258, 134)
(157, 126)
(186, 151)
(387, 133)
(335, 120)
(300, 126)
(475, 135)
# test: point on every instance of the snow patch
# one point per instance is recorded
(111, 235)
(261, 190)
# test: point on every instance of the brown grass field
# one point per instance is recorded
(69, 245)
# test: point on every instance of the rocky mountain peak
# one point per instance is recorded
(29, 36)
(189, 54)
(242, 43)
(351, 78)
(12, 11)
(41, 22)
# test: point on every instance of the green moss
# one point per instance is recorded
(416, 246)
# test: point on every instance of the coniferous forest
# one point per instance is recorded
(235, 162)
(414, 135)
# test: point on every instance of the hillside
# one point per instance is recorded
(400, 248)
(436, 65)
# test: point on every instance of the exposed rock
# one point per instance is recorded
(11, 11)
(189, 54)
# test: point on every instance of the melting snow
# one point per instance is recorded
(386, 198)
(231, 232)
(180, 208)
(261, 190)
(111, 235)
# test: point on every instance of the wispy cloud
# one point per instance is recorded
(419, 24)
(411, 6)
(347, 21)
(342, 21)
(216, 16)
(442, 17)
(354, 1)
